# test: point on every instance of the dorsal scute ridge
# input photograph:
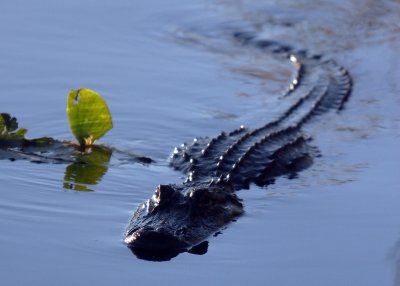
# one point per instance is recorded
(247, 155)
(298, 77)
(267, 149)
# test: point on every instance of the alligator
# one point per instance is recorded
(180, 217)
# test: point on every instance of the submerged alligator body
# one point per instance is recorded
(179, 218)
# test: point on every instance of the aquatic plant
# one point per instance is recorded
(89, 119)
(9, 128)
(89, 116)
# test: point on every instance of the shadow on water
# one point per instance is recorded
(168, 254)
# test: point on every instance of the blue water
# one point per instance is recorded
(169, 73)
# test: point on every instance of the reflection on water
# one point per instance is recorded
(168, 254)
(88, 169)
(85, 166)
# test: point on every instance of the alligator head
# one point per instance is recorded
(177, 218)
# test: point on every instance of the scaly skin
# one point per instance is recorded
(179, 217)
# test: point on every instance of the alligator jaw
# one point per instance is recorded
(153, 240)
(155, 246)
(178, 218)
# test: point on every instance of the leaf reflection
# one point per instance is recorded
(86, 165)
(88, 169)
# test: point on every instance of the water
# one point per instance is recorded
(170, 73)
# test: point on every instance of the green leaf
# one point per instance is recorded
(9, 123)
(9, 128)
(89, 116)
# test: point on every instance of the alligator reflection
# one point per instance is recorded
(88, 169)
(168, 254)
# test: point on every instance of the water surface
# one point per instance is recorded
(169, 73)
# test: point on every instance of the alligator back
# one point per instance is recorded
(279, 147)
(179, 218)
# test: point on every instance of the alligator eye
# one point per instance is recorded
(200, 197)
(164, 194)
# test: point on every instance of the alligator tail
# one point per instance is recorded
(246, 156)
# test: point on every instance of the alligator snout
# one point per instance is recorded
(153, 240)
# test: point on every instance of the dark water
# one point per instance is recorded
(169, 73)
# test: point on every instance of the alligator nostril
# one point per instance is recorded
(154, 240)
(135, 234)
